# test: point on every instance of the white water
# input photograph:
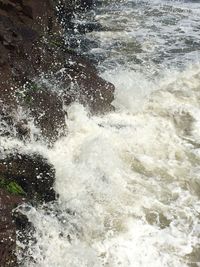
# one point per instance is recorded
(129, 181)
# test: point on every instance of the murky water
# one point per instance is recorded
(129, 181)
(144, 35)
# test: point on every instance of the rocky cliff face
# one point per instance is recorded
(32, 49)
(23, 27)
(22, 24)
(31, 46)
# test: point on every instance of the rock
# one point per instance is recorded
(47, 109)
(67, 8)
(32, 173)
(29, 49)
(22, 25)
(87, 86)
(25, 233)
(86, 4)
(22, 178)
(31, 46)
(8, 228)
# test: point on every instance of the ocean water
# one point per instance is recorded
(129, 181)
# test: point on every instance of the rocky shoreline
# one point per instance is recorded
(32, 50)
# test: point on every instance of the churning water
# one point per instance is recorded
(129, 181)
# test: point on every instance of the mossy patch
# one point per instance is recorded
(11, 187)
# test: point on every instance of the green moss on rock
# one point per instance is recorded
(11, 187)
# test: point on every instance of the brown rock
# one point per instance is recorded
(33, 173)
(36, 177)
(47, 109)
(29, 49)
(8, 229)
(87, 86)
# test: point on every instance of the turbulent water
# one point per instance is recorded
(129, 181)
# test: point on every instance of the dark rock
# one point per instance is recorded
(65, 10)
(28, 49)
(32, 173)
(89, 27)
(8, 229)
(47, 109)
(86, 4)
(25, 232)
(87, 86)
(32, 176)
(22, 25)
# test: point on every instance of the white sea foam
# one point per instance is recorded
(128, 183)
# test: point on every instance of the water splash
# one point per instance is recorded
(128, 184)
(128, 181)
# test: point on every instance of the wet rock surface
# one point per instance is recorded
(32, 49)
(31, 46)
(22, 26)
(23, 178)
(8, 228)
(32, 173)
(47, 109)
